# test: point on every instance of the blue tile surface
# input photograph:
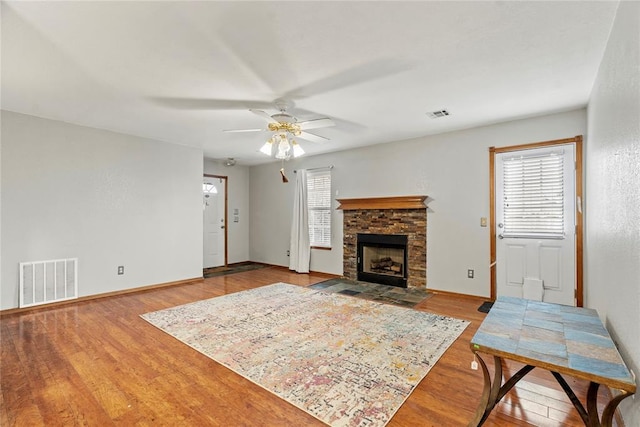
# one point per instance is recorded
(496, 342)
(598, 367)
(552, 349)
(589, 338)
(571, 339)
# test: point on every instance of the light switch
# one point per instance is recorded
(483, 222)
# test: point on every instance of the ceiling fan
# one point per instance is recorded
(284, 123)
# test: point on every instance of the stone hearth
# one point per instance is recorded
(387, 215)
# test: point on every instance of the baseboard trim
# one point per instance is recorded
(285, 268)
(327, 275)
(20, 310)
(458, 295)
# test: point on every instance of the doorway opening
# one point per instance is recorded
(536, 221)
(214, 208)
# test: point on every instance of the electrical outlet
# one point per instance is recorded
(120, 269)
(288, 252)
(470, 274)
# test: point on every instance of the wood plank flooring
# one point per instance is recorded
(97, 363)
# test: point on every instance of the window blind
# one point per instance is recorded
(319, 204)
(533, 190)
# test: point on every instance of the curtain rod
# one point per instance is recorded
(315, 169)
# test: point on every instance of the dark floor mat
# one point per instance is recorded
(485, 307)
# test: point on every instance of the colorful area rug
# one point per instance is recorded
(404, 297)
(346, 361)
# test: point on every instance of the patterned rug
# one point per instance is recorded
(346, 361)
(405, 297)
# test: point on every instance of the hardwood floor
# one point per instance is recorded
(98, 363)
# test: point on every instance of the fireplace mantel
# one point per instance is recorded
(397, 202)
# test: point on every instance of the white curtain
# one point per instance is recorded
(300, 248)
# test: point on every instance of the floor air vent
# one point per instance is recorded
(42, 282)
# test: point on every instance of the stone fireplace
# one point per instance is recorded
(385, 240)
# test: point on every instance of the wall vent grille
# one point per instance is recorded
(43, 282)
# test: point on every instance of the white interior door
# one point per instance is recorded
(214, 222)
(536, 223)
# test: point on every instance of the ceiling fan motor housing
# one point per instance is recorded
(292, 128)
(283, 117)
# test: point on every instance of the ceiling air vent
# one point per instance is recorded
(438, 114)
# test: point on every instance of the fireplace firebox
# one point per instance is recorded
(382, 258)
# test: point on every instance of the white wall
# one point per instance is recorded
(613, 193)
(452, 169)
(238, 198)
(108, 199)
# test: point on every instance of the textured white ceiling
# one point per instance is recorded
(184, 71)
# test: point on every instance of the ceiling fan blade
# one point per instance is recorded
(208, 103)
(271, 67)
(264, 115)
(313, 137)
(242, 130)
(314, 124)
(358, 75)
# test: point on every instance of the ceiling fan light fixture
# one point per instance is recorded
(297, 149)
(267, 148)
(284, 148)
(285, 127)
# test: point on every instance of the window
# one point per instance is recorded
(534, 196)
(319, 204)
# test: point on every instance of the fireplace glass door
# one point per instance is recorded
(382, 258)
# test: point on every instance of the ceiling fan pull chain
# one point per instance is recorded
(284, 177)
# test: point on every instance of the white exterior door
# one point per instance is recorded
(536, 224)
(214, 222)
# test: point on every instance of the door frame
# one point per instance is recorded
(577, 141)
(226, 211)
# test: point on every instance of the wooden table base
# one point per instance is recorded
(495, 390)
